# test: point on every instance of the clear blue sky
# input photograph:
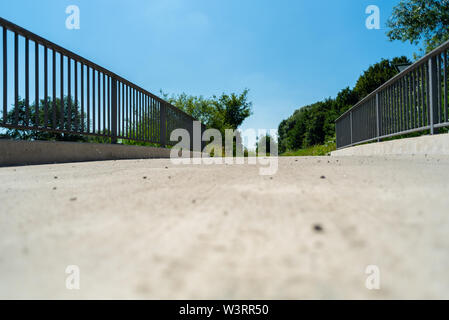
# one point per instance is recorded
(288, 53)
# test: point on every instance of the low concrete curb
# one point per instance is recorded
(44, 152)
(430, 145)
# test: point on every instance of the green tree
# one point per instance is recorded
(227, 111)
(199, 107)
(376, 75)
(44, 118)
(424, 22)
(315, 124)
(233, 108)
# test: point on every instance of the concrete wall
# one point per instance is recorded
(430, 145)
(44, 152)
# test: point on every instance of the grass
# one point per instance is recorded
(319, 150)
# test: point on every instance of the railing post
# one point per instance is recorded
(433, 94)
(162, 117)
(350, 123)
(377, 116)
(113, 110)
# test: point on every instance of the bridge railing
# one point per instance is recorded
(414, 100)
(47, 88)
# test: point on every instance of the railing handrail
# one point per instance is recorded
(409, 69)
(53, 46)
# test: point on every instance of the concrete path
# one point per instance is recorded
(150, 229)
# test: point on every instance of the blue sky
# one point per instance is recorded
(288, 53)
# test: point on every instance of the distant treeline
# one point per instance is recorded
(315, 124)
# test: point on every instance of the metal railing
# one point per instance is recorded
(75, 96)
(414, 100)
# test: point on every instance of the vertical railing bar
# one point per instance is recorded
(430, 94)
(93, 102)
(127, 110)
(445, 89)
(423, 96)
(75, 102)
(99, 103)
(413, 89)
(16, 79)
(144, 126)
(144, 116)
(104, 105)
(109, 107)
(149, 119)
(377, 117)
(439, 100)
(393, 128)
(395, 108)
(62, 116)
(398, 107)
(403, 115)
(113, 104)
(141, 115)
(82, 97)
(131, 114)
(53, 77)
(142, 133)
(36, 83)
(136, 103)
(163, 127)
(153, 119)
(119, 102)
(405, 104)
(409, 99)
(5, 76)
(350, 115)
(379, 95)
(88, 98)
(46, 87)
(123, 109)
(69, 94)
(134, 114)
(155, 122)
(27, 81)
(387, 110)
(417, 98)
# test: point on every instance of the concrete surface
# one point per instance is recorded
(224, 231)
(424, 145)
(13, 152)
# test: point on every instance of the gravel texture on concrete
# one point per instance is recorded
(151, 229)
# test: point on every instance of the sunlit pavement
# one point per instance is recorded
(326, 227)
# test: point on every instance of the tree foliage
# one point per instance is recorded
(423, 22)
(43, 116)
(227, 111)
(315, 124)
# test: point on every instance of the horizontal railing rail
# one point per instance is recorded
(76, 97)
(414, 100)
